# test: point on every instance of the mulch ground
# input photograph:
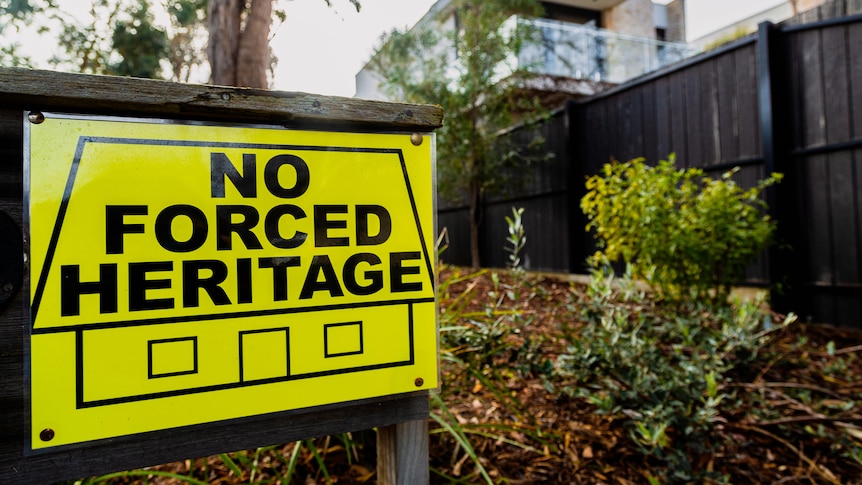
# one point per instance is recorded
(584, 447)
(533, 436)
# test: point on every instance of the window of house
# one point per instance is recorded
(575, 15)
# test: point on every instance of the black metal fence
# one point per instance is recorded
(787, 99)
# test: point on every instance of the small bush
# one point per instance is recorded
(690, 235)
(660, 368)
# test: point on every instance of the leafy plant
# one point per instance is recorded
(660, 368)
(688, 234)
(517, 238)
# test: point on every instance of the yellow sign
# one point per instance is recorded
(185, 274)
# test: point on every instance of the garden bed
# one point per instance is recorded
(791, 414)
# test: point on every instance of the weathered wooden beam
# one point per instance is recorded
(124, 453)
(402, 453)
(28, 89)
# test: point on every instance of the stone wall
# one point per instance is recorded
(633, 17)
(675, 21)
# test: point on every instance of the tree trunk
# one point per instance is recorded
(223, 23)
(475, 219)
(239, 56)
(253, 59)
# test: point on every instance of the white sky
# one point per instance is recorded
(705, 16)
(320, 49)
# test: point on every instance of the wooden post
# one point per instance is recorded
(575, 188)
(402, 453)
(782, 265)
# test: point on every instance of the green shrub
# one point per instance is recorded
(688, 234)
(660, 369)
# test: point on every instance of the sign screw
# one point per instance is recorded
(225, 96)
(36, 117)
(419, 381)
(46, 434)
(416, 139)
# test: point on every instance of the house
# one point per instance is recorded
(586, 44)
(747, 25)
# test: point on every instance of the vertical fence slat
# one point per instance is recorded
(650, 125)
(728, 112)
(662, 119)
(624, 124)
(710, 128)
(746, 82)
(614, 113)
(677, 111)
(636, 145)
(693, 114)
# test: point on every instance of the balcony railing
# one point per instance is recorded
(585, 52)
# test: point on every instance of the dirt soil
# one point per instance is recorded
(546, 438)
(587, 448)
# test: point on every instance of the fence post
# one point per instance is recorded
(402, 453)
(575, 188)
(782, 269)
